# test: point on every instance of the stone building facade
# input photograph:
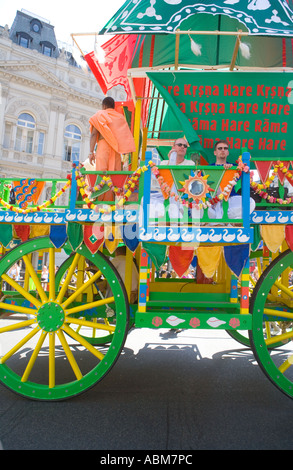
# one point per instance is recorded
(46, 101)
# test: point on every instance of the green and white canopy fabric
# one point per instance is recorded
(259, 17)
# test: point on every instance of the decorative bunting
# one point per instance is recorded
(112, 237)
(181, 258)
(256, 238)
(39, 231)
(236, 257)
(58, 235)
(22, 232)
(263, 169)
(228, 176)
(93, 237)
(289, 236)
(6, 234)
(281, 173)
(75, 235)
(215, 177)
(156, 252)
(273, 236)
(129, 233)
(209, 259)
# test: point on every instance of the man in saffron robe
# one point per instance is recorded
(111, 133)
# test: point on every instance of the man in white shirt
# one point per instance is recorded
(180, 147)
(179, 151)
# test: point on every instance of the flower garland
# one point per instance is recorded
(258, 188)
(204, 204)
(38, 208)
(125, 192)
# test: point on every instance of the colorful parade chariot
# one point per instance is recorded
(204, 71)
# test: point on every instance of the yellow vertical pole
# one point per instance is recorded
(80, 276)
(128, 272)
(144, 143)
(136, 132)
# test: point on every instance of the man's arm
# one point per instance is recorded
(93, 141)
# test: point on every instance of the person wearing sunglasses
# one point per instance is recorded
(221, 152)
(177, 157)
(177, 154)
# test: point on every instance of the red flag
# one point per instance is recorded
(289, 236)
(93, 236)
(281, 174)
(22, 231)
(180, 258)
(119, 52)
(263, 169)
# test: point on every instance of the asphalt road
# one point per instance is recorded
(167, 392)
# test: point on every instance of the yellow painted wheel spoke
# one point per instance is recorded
(81, 289)
(278, 313)
(33, 358)
(285, 366)
(68, 277)
(19, 345)
(279, 338)
(52, 360)
(268, 329)
(17, 309)
(284, 289)
(83, 342)
(69, 355)
(35, 278)
(16, 326)
(82, 308)
(52, 273)
(21, 291)
(89, 324)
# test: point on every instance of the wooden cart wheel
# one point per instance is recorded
(269, 327)
(272, 301)
(42, 356)
(85, 270)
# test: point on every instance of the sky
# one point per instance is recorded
(67, 16)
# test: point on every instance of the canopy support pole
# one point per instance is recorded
(236, 49)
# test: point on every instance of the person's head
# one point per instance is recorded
(221, 151)
(108, 102)
(180, 145)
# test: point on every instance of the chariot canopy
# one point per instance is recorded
(259, 17)
(231, 35)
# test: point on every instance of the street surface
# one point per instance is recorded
(168, 392)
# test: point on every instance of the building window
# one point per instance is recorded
(7, 135)
(36, 26)
(72, 141)
(23, 42)
(47, 51)
(41, 143)
(24, 39)
(25, 133)
(47, 48)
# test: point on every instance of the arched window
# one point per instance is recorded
(25, 133)
(72, 141)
